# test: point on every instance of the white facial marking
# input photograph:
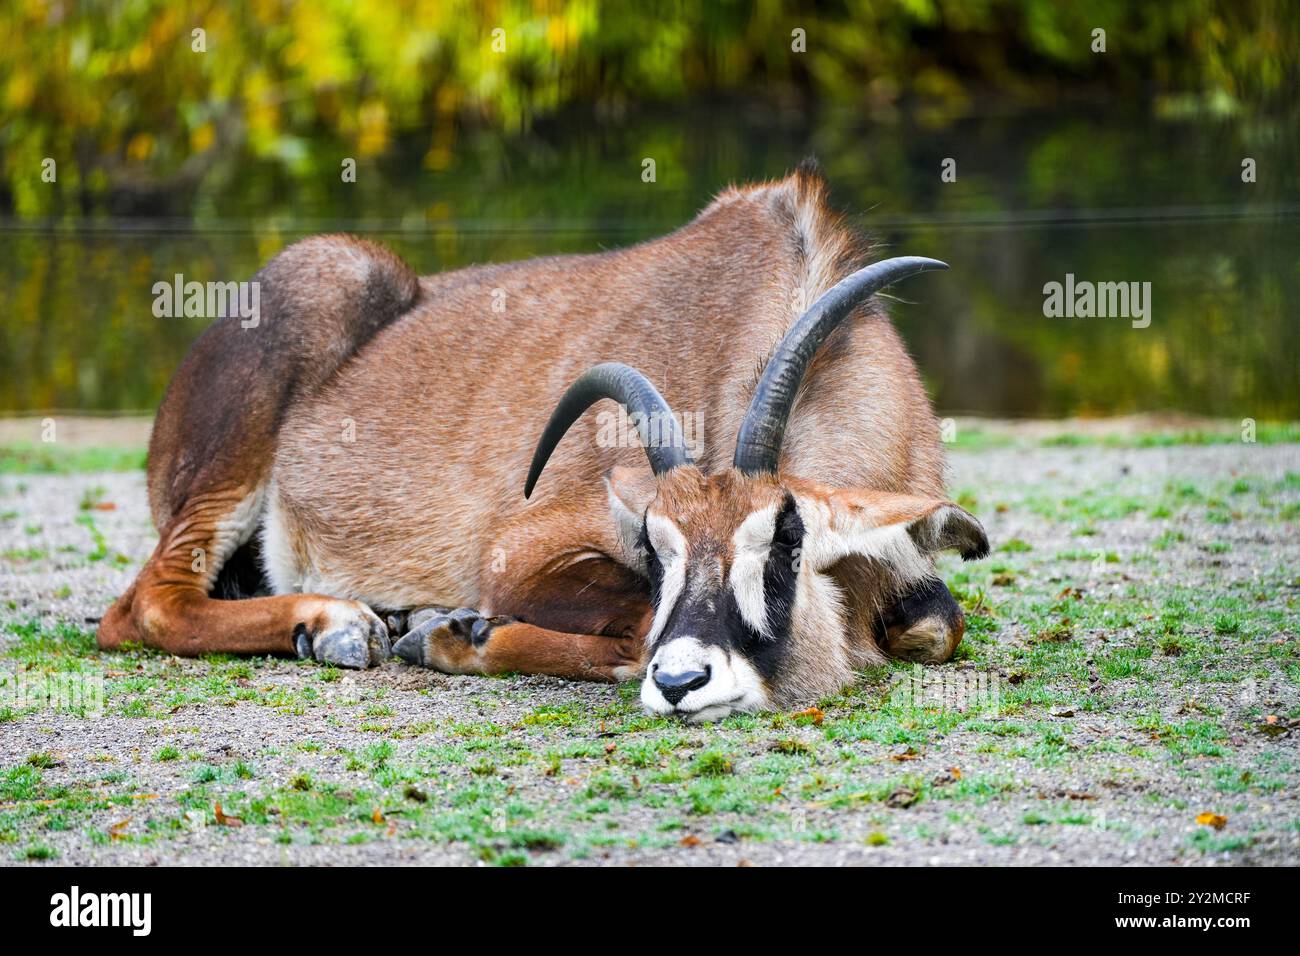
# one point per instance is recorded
(734, 686)
(750, 547)
(670, 546)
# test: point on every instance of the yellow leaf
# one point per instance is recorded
(1216, 820)
(814, 714)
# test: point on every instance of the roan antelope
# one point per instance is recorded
(368, 443)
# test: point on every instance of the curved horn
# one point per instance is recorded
(631, 389)
(758, 444)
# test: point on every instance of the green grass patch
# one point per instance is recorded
(54, 459)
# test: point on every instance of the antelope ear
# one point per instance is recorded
(950, 526)
(630, 492)
(902, 531)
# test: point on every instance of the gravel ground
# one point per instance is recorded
(1139, 618)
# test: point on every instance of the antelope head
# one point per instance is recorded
(747, 612)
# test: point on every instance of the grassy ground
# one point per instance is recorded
(1139, 620)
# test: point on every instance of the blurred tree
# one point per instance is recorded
(138, 109)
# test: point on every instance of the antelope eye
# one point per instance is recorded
(789, 529)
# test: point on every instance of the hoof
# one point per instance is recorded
(352, 636)
(438, 633)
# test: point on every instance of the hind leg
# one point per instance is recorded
(169, 607)
(925, 625)
(213, 444)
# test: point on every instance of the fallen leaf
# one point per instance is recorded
(115, 831)
(1216, 820)
(1272, 727)
(790, 747)
(222, 819)
(1058, 633)
(908, 754)
(377, 816)
(901, 798)
(815, 714)
(1063, 712)
(689, 840)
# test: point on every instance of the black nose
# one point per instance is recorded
(676, 686)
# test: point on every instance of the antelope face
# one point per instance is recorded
(746, 615)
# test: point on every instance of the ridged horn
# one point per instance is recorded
(758, 444)
(629, 388)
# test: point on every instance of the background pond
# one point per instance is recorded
(1096, 193)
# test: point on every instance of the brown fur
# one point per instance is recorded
(447, 397)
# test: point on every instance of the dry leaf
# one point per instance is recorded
(908, 754)
(814, 714)
(689, 840)
(377, 816)
(115, 831)
(1216, 820)
(1272, 727)
(902, 797)
(222, 819)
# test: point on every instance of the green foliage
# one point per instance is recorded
(119, 94)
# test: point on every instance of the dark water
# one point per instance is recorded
(1102, 197)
